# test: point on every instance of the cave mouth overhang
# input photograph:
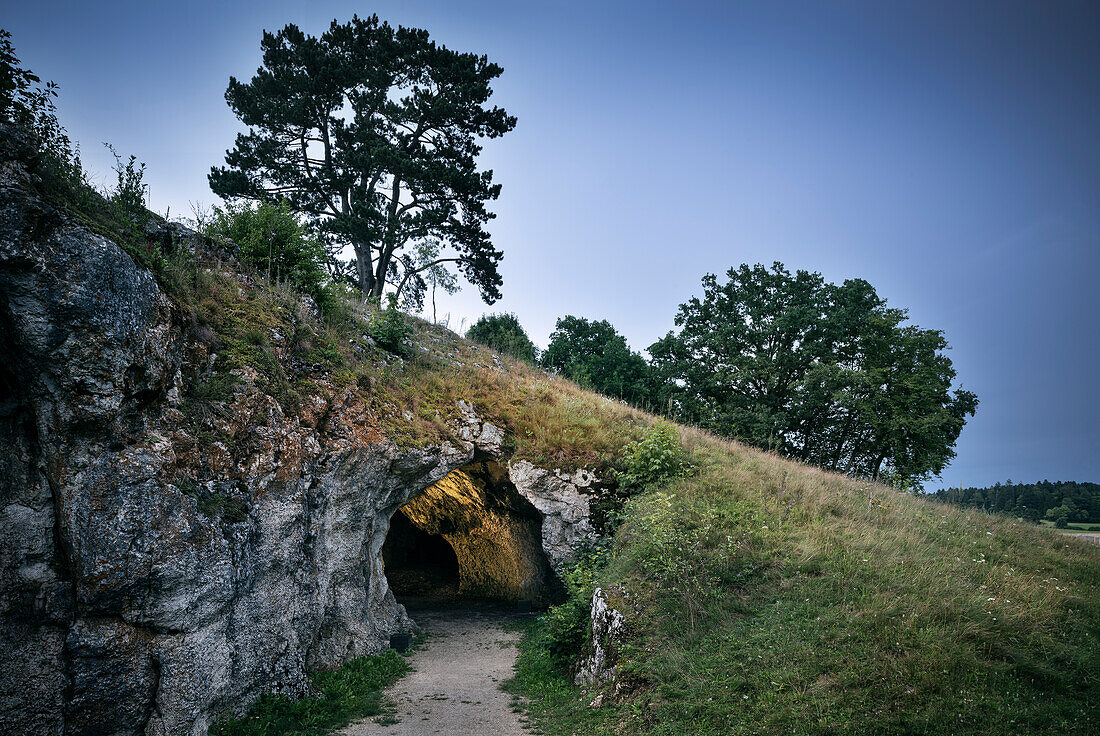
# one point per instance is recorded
(469, 535)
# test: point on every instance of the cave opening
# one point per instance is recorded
(419, 564)
(468, 537)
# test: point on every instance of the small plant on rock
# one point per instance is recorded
(566, 629)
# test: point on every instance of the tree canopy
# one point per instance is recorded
(504, 333)
(372, 133)
(823, 373)
(594, 355)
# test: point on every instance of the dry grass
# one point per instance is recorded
(413, 398)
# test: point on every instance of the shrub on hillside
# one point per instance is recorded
(503, 333)
(273, 240)
(653, 459)
(127, 198)
(25, 102)
(388, 328)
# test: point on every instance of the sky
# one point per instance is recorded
(945, 151)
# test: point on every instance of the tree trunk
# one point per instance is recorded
(878, 466)
(379, 284)
(364, 268)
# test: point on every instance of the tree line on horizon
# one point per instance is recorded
(1062, 502)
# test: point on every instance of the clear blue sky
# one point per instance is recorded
(947, 152)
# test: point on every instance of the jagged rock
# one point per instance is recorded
(149, 583)
(471, 428)
(599, 665)
(562, 498)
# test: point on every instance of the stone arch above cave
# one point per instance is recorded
(494, 533)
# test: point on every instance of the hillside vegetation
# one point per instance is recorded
(761, 595)
(764, 596)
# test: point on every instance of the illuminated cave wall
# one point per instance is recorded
(495, 533)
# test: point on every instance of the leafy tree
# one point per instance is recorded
(504, 333)
(431, 274)
(1060, 515)
(593, 354)
(824, 373)
(372, 133)
(271, 239)
(27, 103)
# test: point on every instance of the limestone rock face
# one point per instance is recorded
(126, 605)
(562, 499)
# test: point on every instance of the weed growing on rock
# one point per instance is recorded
(565, 629)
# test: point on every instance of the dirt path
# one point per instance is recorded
(454, 687)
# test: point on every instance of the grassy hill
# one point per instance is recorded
(769, 597)
(764, 596)
(761, 596)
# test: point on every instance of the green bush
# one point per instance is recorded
(388, 328)
(653, 460)
(128, 196)
(31, 107)
(273, 240)
(504, 333)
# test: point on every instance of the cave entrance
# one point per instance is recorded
(418, 564)
(468, 536)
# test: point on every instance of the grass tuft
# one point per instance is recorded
(351, 692)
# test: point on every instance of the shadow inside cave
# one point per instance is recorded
(470, 537)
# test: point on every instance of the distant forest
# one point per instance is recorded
(1062, 502)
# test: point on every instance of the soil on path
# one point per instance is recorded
(454, 687)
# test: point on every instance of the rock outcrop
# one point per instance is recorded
(152, 580)
(562, 498)
(608, 628)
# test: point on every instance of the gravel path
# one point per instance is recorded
(454, 687)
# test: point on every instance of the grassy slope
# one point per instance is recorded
(827, 605)
(410, 399)
(766, 596)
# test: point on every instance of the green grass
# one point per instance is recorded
(1073, 526)
(545, 692)
(771, 598)
(354, 691)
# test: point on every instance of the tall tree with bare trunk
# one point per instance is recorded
(372, 133)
